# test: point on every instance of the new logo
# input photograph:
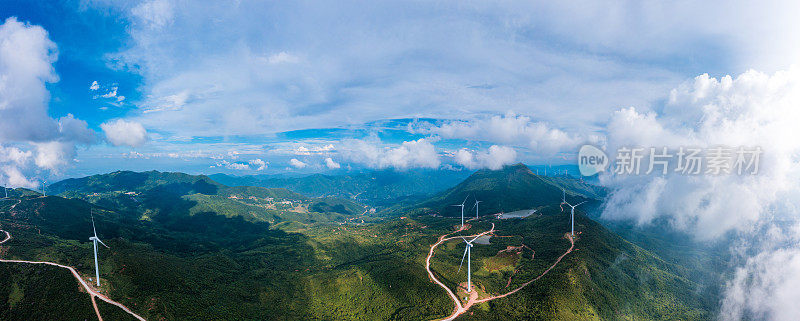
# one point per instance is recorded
(591, 160)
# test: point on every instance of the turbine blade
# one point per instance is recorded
(465, 200)
(93, 229)
(473, 240)
(104, 244)
(581, 203)
(462, 258)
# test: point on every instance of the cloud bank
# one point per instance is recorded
(27, 56)
(751, 109)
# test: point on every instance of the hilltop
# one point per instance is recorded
(168, 196)
(217, 255)
(512, 188)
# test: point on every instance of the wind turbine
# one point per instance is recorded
(44, 188)
(467, 253)
(96, 239)
(462, 210)
(476, 207)
(572, 210)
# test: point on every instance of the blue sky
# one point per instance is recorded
(220, 86)
(266, 87)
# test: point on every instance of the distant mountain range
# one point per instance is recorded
(375, 188)
(169, 194)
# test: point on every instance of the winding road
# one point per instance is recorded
(77, 276)
(459, 308)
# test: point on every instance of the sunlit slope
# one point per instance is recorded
(167, 196)
(604, 278)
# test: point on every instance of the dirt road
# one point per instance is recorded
(473, 299)
(77, 276)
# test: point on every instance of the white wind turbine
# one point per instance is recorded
(96, 239)
(572, 210)
(467, 253)
(462, 210)
(476, 207)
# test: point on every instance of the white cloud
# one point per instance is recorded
(766, 287)
(11, 176)
(237, 166)
(297, 164)
(258, 164)
(14, 155)
(495, 158)
(409, 154)
(94, 86)
(124, 133)
(510, 128)
(26, 58)
(752, 109)
(303, 150)
(331, 164)
(111, 93)
(54, 155)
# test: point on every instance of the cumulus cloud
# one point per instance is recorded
(494, 158)
(26, 58)
(510, 128)
(754, 109)
(297, 164)
(124, 133)
(258, 164)
(111, 93)
(751, 109)
(12, 177)
(53, 155)
(14, 155)
(410, 154)
(331, 164)
(94, 86)
(306, 150)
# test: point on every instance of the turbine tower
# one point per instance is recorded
(95, 240)
(44, 188)
(476, 207)
(572, 211)
(467, 253)
(462, 210)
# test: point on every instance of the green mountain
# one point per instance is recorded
(215, 256)
(509, 189)
(128, 181)
(154, 193)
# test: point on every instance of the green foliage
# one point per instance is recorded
(186, 248)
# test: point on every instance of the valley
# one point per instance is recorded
(187, 247)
